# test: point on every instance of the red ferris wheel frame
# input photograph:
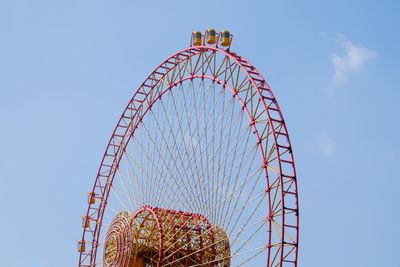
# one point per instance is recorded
(255, 98)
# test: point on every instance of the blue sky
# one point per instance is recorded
(67, 69)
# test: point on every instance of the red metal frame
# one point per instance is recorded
(141, 102)
(160, 230)
(172, 216)
(119, 231)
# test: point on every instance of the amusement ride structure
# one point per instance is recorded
(199, 170)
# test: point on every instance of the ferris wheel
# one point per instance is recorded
(199, 169)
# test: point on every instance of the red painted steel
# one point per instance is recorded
(132, 117)
(172, 215)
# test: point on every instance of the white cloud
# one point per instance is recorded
(326, 144)
(352, 61)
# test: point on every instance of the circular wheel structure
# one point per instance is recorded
(199, 170)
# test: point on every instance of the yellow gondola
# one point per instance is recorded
(197, 36)
(81, 246)
(226, 38)
(85, 222)
(91, 198)
(211, 36)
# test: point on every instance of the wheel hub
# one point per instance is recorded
(161, 237)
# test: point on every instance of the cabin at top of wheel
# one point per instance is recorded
(211, 37)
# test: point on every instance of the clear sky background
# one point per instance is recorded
(68, 68)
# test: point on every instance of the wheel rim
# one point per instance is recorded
(200, 107)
